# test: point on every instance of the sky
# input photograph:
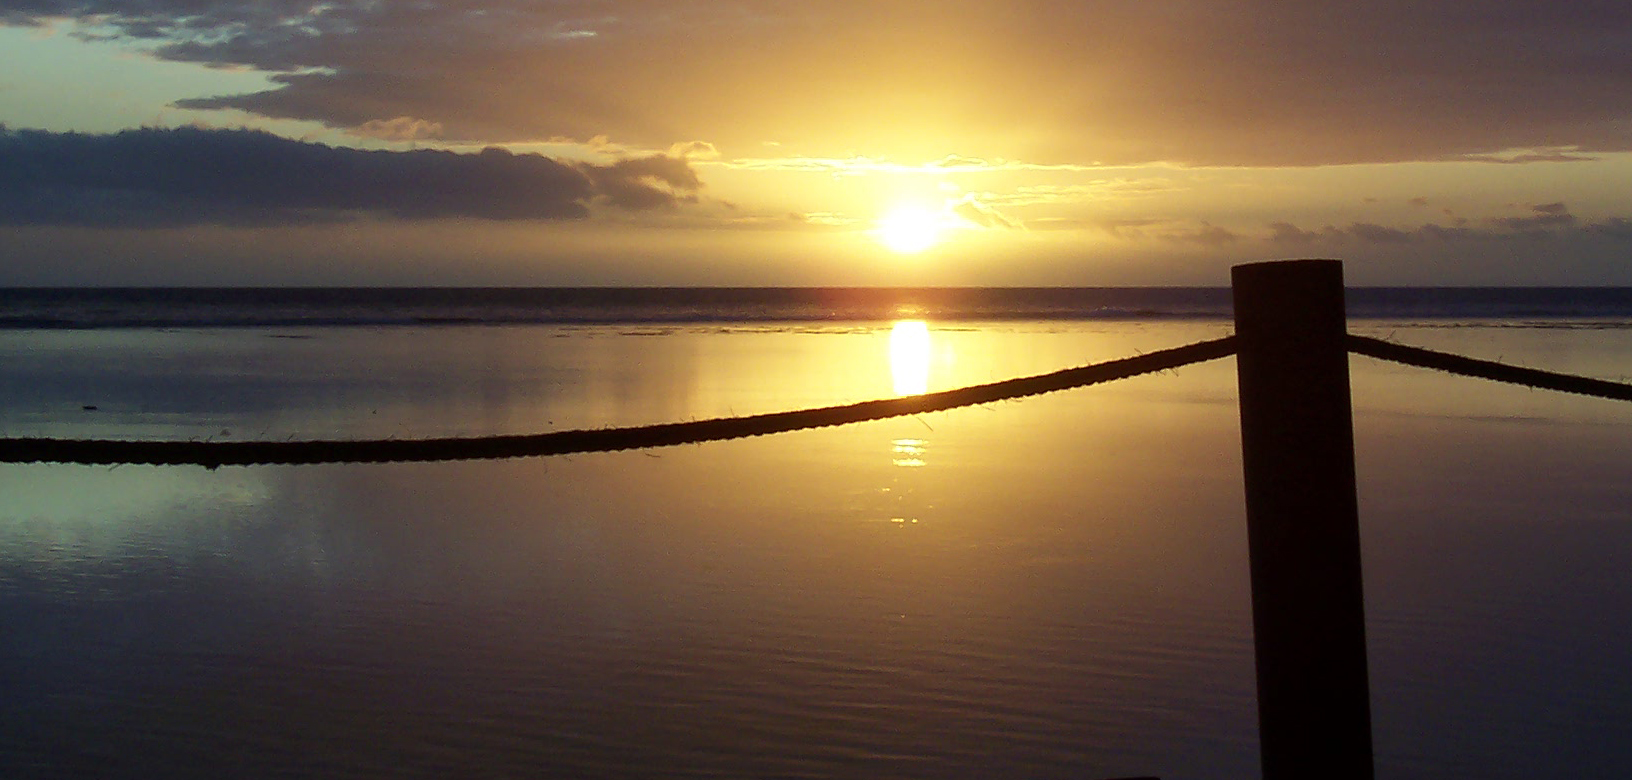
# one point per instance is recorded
(848, 142)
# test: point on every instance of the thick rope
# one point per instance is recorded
(1486, 369)
(213, 454)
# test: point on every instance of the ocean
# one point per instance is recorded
(1051, 587)
(54, 308)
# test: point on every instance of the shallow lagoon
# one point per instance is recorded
(1054, 587)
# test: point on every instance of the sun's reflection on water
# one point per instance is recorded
(906, 453)
(909, 453)
(910, 353)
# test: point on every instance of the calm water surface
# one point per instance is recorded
(1049, 588)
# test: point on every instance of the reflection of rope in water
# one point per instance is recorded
(213, 454)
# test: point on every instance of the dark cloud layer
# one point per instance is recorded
(1238, 82)
(1545, 221)
(193, 176)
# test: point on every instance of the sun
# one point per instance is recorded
(911, 228)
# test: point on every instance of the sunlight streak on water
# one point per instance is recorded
(909, 453)
(910, 353)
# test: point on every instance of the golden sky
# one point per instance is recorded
(632, 142)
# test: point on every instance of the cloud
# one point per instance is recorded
(1369, 233)
(183, 176)
(973, 211)
(1091, 192)
(1524, 157)
(857, 164)
(1204, 234)
(1546, 220)
(1203, 82)
(644, 183)
(1208, 235)
(1288, 234)
(402, 128)
(1292, 235)
(961, 163)
(1543, 216)
(695, 150)
(1614, 227)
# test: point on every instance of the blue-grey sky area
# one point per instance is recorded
(846, 142)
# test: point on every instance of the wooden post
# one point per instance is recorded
(1303, 529)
